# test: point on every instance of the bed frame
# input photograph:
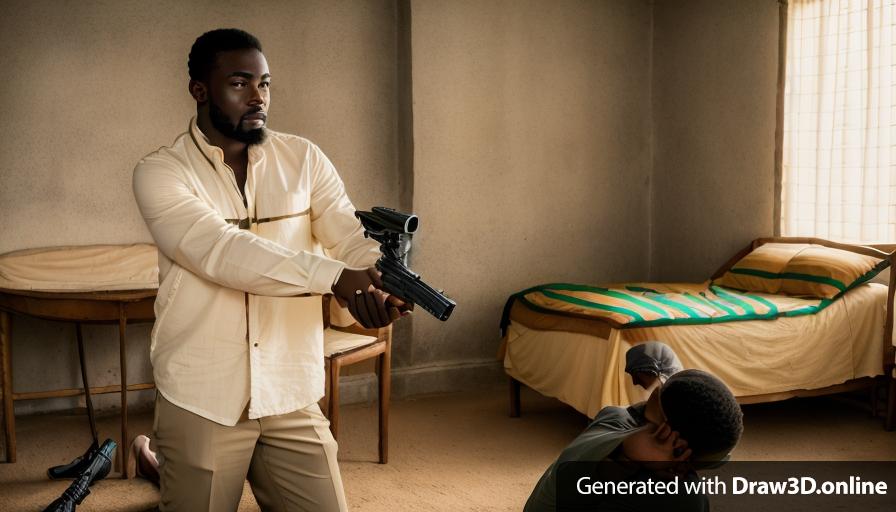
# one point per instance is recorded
(888, 352)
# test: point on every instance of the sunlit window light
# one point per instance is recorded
(839, 157)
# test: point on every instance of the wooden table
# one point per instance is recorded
(108, 307)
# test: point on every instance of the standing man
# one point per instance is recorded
(242, 216)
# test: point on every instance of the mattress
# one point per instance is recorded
(582, 362)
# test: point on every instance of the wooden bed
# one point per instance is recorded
(580, 360)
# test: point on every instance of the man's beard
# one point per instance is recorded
(235, 132)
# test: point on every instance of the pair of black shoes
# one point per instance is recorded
(94, 465)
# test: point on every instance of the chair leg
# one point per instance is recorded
(384, 362)
(514, 398)
(333, 406)
(325, 401)
(9, 417)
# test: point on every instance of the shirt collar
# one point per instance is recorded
(211, 153)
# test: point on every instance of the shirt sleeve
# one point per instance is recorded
(333, 221)
(193, 234)
(611, 426)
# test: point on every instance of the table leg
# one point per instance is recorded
(9, 416)
(123, 448)
(87, 400)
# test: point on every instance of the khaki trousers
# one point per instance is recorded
(290, 461)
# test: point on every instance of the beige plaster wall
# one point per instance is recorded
(714, 83)
(537, 141)
(93, 86)
(531, 155)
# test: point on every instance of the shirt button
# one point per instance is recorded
(256, 344)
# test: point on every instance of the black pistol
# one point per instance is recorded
(388, 227)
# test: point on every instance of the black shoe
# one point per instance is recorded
(76, 466)
(97, 469)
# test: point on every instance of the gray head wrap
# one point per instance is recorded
(653, 357)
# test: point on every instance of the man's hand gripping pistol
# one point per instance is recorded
(388, 227)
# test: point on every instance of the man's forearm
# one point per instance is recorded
(194, 235)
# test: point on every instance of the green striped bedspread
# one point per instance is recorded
(654, 304)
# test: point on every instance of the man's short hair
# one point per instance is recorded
(704, 412)
(205, 50)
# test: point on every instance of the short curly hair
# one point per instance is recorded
(704, 412)
(205, 50)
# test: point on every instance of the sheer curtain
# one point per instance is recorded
(839, 158)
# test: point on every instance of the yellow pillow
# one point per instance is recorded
(805, 270)
(825, 272)
(760, 270)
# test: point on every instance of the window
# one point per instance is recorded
(839, 150)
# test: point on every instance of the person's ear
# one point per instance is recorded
(199, 91)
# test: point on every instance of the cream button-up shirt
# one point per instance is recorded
(231, 327)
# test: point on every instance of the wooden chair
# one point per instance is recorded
(352, 344)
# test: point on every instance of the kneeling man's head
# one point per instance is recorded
(698, 406)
